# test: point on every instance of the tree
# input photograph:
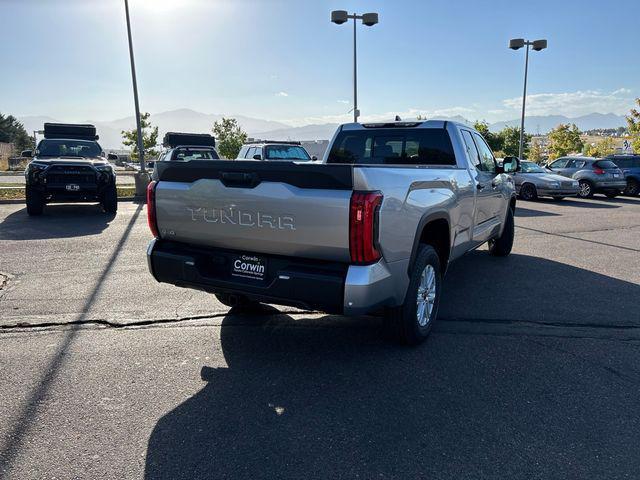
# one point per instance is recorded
(12, 131)
(633, 120)
(494, 140)
(564, 139)
(536, 153)
(511, 141)
(229, 137)
(605, 147)
(149, 138)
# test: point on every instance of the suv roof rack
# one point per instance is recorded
(284, 142)
(77, 131)
(175, 139)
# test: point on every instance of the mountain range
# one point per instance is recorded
(186, 120)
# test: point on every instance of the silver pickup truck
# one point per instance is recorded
(371, 228)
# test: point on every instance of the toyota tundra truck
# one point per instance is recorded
(372, 228)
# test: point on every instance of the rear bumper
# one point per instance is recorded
(309, 284)
(617, 185)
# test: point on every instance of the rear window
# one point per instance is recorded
(393, 146)
(604, 164)
(186, 154)
(286, 152)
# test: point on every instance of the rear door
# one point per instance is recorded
(573, 166)
(278, 208)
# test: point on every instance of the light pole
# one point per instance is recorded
(537, 45)
(142, 179)
(369, 19)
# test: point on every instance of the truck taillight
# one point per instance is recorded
(151, 209)
(363, 227)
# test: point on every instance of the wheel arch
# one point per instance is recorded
(433, 229)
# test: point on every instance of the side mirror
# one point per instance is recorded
(548, 166)
(257, 156)
(314, 158)
(510, 165)
(27, 153)
(112, 156)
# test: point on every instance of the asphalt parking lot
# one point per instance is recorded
(532, 371)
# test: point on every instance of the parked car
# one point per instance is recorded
(373, 227)
(630, 166)
(69, 166)
(533, 181)
(594, 175)
(184, 147)
(274, 150)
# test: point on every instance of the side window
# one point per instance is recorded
(560, 163)
(243, 152)
(579, 163)
(472, 151)
(487, 162)
(622, 162)
(251, 152)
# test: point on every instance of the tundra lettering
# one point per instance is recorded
(233, 216)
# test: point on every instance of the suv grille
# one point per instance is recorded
(71, 174)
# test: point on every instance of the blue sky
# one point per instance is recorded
(283, 60)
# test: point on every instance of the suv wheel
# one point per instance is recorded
(35, 201)
(586, 189)
(501, 246)
(109, 200)
(633, 187)
(411, 322)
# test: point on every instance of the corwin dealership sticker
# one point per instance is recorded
(248, 266)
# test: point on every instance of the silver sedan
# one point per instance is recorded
(533, 181)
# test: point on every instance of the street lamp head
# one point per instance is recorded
(339, 16)
(516, 43)
(539, 45)
(370, 19)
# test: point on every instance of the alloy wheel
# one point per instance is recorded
(426, 297)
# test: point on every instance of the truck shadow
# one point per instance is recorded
(57, 221)
(329, 398)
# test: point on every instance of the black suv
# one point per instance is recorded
(69, 166)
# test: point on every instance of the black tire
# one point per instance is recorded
(35, 201)
(633, 187)
(402, 323)
(239, 302)
(528, 192)
(109, 200)
(501, 246)
(557, 199)
(611, 194)
(586, 189)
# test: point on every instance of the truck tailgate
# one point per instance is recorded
(279, 208)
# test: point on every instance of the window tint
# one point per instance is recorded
(487, 162)
(622, 162)
(68, 148)
(472, 151)
(560, 163)
(604, 164)
(424, 146)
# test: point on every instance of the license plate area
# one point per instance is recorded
(72, 187)
(249, 266)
